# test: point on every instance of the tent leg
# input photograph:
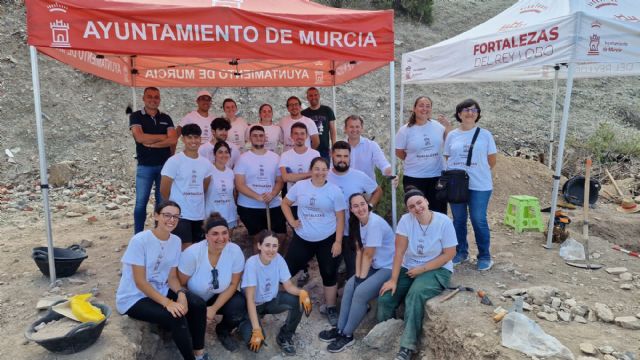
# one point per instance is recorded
(563, 134)
(134, 99)
(392, 108)
(333, 94)
(44, 184)
(401, 104)
(553, 114)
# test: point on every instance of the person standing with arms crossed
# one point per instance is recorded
(155, 136)
(325, 121)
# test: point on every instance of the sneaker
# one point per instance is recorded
(204, 356)
(484, 264)
(228, 342)
(459, 258)
(303, 279)
(329, 335)
(286, 344)
(404, 354)
(340, 343)
(332, 315)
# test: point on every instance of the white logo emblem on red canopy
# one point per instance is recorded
(59, 34)
(55, 7)
(227, 3)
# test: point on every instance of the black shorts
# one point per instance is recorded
(301, 251)
(255, 220)
(189, 231)
(428, 188)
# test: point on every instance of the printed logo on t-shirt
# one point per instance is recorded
(427, 141)
(420, 249)
(267, 286)
(194, 177)
(312, 202)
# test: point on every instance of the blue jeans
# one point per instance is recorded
(145, 177)
(478, 203)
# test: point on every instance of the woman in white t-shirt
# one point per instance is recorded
(238, 124)
(483, 159)
(373, 242)
(318, 229)
(220, 196)
(212, 269)
(425, 244)
(262, 275)
(419, 146)
(149, 288)
(272, 133)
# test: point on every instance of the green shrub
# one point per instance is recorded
(420, 10)
(607, 142)
(383, 208)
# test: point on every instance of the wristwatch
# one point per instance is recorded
(184, 291)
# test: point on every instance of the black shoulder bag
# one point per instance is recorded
(453, 185)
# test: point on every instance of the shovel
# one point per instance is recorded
(585, 224)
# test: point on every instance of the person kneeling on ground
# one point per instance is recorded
(373, 242)
(425, 244)
(263, 272)
(212, 269)
(149, 289)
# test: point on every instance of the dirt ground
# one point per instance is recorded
(459, 328)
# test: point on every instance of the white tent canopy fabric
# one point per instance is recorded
(528, 41)
(525, 41)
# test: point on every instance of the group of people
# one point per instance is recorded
(231, 172)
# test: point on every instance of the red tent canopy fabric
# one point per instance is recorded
(197, 43)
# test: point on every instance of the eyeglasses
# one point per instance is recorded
(293, 104)
(214, 278)
(168, 216)
(471, 110)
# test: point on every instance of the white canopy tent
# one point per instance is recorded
(537, 40)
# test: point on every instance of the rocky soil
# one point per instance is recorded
(91, 152)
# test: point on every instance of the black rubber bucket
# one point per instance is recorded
(67, 261)
(573, 190)
(78, 339)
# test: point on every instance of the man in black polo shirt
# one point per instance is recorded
(154, 134)
(325, 121)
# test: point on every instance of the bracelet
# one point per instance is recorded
(183, 290)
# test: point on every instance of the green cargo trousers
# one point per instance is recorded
(415, 293)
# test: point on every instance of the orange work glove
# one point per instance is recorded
(257, 339)
(305, 302)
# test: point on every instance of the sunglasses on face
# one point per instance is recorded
(214, 278)
(471, 110)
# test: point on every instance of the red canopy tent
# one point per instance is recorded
(201, 43)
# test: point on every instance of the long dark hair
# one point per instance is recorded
(354, 225)
(412, 118)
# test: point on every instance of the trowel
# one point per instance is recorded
(585, 225)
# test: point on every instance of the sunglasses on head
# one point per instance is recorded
(214, 278)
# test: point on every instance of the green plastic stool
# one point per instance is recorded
(523, 213)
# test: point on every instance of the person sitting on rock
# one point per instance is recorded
(263, 273)
(425, 245)
(372, 240)
(150, 291)
(212, 269)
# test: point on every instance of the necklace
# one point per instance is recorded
(425, 229)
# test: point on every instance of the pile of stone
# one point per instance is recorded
(607, 351)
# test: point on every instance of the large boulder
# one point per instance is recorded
(385, 336)
(62, 173)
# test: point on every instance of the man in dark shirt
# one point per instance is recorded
(325, 120)
(154, 134)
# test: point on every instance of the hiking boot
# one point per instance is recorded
(459, 258)
(340, 343)
(228, 342)
(286, 344)
(404, 354)
(332, 315)
(485, 264)
(329, 335)
(303, 279)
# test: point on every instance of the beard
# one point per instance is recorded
(341, 167)
(258, 147)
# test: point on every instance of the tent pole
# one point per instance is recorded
(563, 134)
(333, 94)
(134, 99)
(44, 184)
(392, 108)
(401, 105)
(553, 112)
